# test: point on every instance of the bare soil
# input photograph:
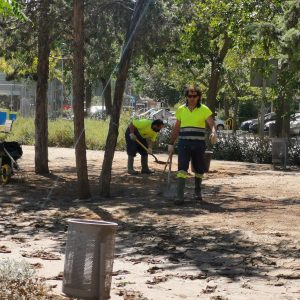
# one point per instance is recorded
(242, 243)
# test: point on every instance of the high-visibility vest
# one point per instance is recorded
(192, 123)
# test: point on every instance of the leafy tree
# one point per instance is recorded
(12, 8)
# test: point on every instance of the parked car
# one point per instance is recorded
(294, 124)
(254, 125)
(245, 125)
(295, 127)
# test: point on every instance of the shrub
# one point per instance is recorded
(61, 133)
(249, 148)
(18, 281)
(22, 131)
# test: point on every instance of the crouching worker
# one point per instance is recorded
(144, 131)
(190, 127)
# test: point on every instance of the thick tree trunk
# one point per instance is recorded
(215, 73)
(113, 132)
(41, 110)
(78, 98)
(213, 86)
(107, 95)
(88, 96)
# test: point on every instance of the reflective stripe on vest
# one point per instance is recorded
(192, 133)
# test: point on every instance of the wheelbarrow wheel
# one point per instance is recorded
(6, 173)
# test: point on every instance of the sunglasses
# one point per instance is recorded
(192, 96)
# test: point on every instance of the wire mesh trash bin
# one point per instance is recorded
(207, 159)
(89, 259)
(279, 151)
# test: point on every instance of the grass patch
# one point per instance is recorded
(61, 133)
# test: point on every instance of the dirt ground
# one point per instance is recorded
(242, 243)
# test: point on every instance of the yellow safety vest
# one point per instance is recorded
(144, 128)
(192, 123)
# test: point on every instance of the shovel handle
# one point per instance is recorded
(145, 148)
(169, 161)
(170, 168)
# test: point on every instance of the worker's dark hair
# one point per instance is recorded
(158, 122)
(193, 88)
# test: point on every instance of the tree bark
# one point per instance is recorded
(215, 73)
(78, 98)
(226, 108)
(235, 114)
(107, 96)
(88, 96)
(41, 107)
(105, 178)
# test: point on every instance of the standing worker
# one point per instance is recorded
(144, 131)
(190, 126)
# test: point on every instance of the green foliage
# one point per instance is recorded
(10, 8)
(246, 149)
(61, 133)
(22, 131)
(251, 149)
(247, 110)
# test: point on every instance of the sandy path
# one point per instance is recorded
(242, 244)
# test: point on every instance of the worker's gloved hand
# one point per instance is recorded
(170, 149)
(132, 136)
(150, 151)
(213, 138)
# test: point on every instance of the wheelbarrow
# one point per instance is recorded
(10, 152)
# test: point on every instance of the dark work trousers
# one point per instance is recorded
(132, 147)
(191, 150)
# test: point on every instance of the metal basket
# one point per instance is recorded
(279, 151)
(89, 259)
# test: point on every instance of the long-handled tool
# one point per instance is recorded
(169, 190)
(145, 148)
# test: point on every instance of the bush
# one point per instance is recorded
(22, 131)
(252, 149)
(18, 281)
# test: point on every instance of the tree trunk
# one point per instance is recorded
(213, 86)
(111, 141)
(216, 66)
(286, 119)
(41, 107)
(235, 114)
(226, 108)
(78, 98)
(88, 96)
(107, 96)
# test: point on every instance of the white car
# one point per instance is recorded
(295, 126)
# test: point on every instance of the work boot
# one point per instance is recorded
(180, 191)
(198, 194)
(145, 168)
(130, 168)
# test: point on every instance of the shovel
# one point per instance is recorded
(169, 189)
(145, 148)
